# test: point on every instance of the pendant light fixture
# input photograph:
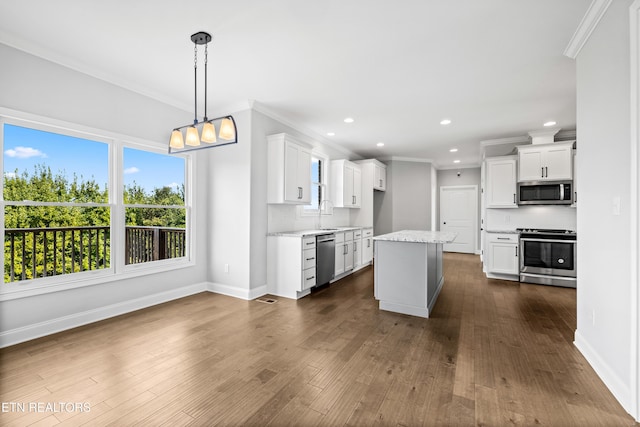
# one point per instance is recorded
(202, 134)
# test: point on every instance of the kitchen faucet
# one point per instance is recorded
(319, 225)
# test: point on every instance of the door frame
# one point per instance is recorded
(634, 30)
(476, 225)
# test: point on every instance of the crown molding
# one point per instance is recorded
(510, 140)
(585, 28)
(261, 108)
(406, 159)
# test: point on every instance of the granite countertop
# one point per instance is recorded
(418, 236)
(503, 231)
(303, 233)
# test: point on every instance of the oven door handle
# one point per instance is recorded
(547, 240)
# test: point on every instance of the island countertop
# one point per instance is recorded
(418, 236)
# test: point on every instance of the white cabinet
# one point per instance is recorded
(545, 162)
(344, 253)
(346, 184)
(289, 170)
(291, 265)
(500, 191)
(357, 249)
(367, 246)
(380, 177)
(575, 180)
(503, 256)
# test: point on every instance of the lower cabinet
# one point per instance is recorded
(357, 249)
(344, 253)
(367, 245)
(291, 265)
(503, 254)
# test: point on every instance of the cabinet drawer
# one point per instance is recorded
(348, 236)
(502, 238)
(339, 238)
(308, 278)
(309, 243)
(367, 233)
(308, 258)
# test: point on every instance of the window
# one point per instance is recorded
(62, 214)
(155, 212)
(319, 168)
(57, 215)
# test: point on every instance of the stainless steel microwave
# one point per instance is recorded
(545, 193)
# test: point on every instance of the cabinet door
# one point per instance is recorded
(339, 262)
(380, 178)
(503, 258)
(357, 253)
(292, 189)
(297, 174)
(501, 184)
(531, 165)
(348, 256)
(357, 187)
(347, 186)
(557, 163)
(367, 250)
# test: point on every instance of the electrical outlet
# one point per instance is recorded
(226, 268)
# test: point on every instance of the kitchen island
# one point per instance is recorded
(408, 270)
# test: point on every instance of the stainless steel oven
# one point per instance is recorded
(548, 257)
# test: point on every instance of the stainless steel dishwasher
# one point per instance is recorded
(325, 258)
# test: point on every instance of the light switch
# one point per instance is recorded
(616, 205)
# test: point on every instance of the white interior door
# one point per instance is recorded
(458, 213)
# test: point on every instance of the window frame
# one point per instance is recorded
(117, 269)
(327, 209)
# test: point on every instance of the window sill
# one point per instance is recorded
(17, 290)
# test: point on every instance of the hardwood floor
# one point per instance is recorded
(494, 353)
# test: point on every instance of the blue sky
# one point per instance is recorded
(24, 148)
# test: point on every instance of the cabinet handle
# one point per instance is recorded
(368, 243)
(310, 243)
(516, 252)
(575, 197)
(514, 198)
(309, 259)
(311, 277)
(355, 247)
(503, 238)
(346, 250)
(380, 183)
(546, 172)
(299, 192)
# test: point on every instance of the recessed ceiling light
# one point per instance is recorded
(380, 144)
(456, 161)
(445, 122)
(453, 150)
(348, 120)
(331, 134)
(550, 123)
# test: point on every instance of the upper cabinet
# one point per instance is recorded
(346, 184)
(289, 170)
(374, 174)
(546, 162)
(380, 176)
(500, 182)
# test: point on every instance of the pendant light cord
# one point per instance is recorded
(195, 84)
(206, 54)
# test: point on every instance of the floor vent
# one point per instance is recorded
(266, 300)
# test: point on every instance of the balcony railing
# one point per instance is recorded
(41, 252)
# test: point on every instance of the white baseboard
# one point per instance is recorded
(234, 291)
(37, 330)
(619, 389)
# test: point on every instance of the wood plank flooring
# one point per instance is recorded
(494, 353)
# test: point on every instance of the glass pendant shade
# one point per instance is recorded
(227, 130)
(192, 137)
(208, 133)
(176, 139)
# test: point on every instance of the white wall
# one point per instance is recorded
(35, 86)
(407, 202)
(604, 290)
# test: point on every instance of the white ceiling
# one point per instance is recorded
(494, 67)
